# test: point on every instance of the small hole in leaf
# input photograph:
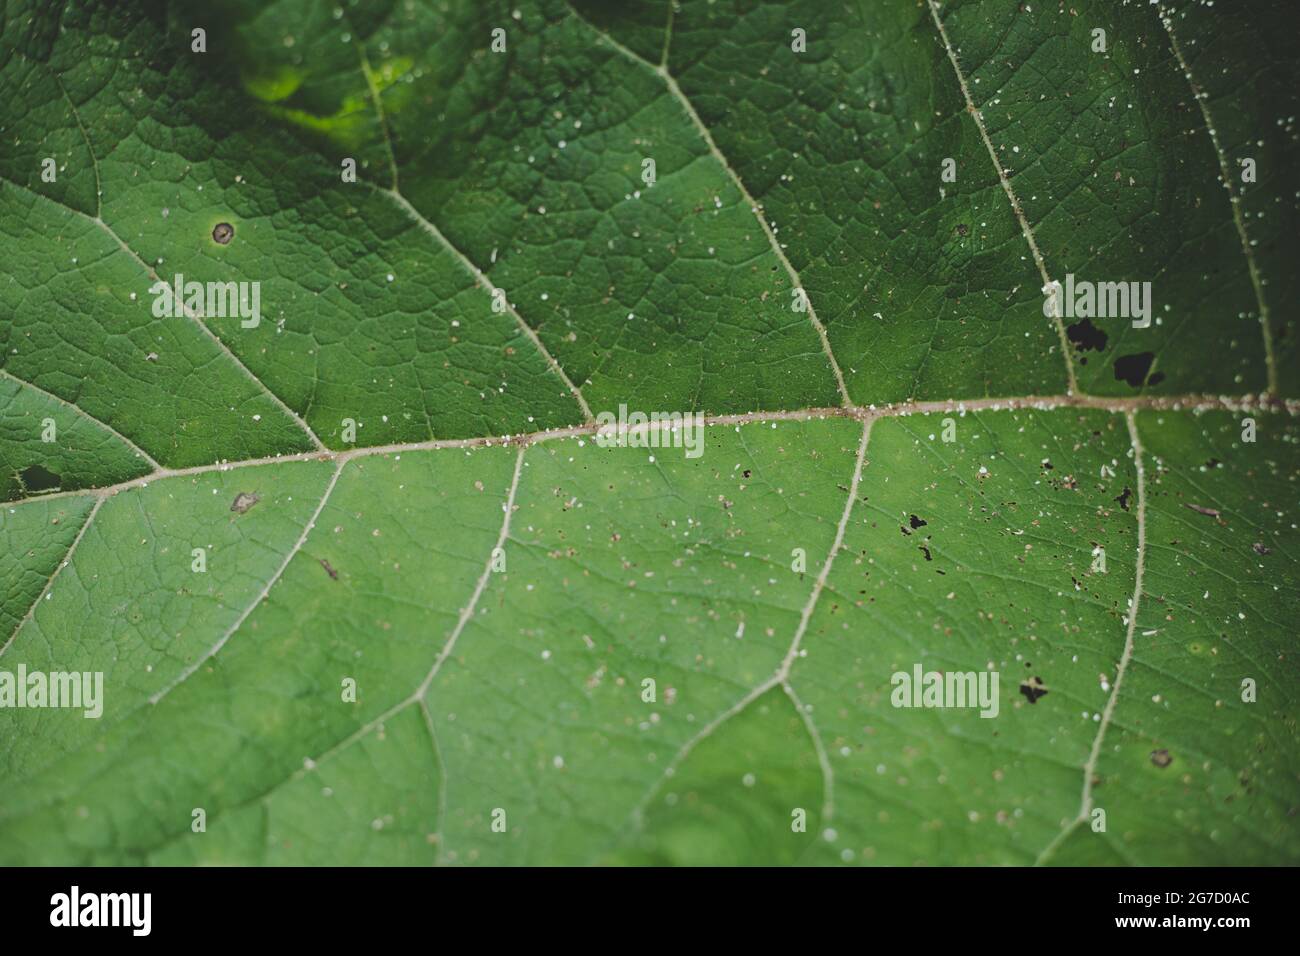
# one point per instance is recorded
(1085, 336)
(1033, 689)
(37, 479)
(1136, 369)
(222, 233)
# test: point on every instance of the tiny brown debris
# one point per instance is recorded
(243, 501)
(222, 233)
(329, 569)
(1261, 548)
(1202, 510)
(1161, 758)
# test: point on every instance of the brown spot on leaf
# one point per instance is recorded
(1161, 758)
(243, 501)
(222, 233)
(329, 569)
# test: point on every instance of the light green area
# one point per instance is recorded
(1219, 603)
(628, 565)
(1000, 577)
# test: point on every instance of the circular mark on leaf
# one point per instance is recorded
(1161, 758)
(222, 233)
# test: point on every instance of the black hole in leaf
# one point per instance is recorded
(35, 478)
(1033, 689)
(1086, 336)
(1134, 369)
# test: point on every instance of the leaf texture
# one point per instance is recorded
(362, 583)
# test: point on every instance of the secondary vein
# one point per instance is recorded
(136, 449)
(67, 559)
(1234, 201)
(661, 71)
(189, 313)
(1094, 754)
(1005, 180)
(481, 281)
(261, 595)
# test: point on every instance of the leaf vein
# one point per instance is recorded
(1090, 765)
(1005, 180)
(261, 595)
(754, 206)
(1234, 200)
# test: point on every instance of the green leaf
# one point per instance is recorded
(364, 584)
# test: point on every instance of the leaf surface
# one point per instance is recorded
(363, 586)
